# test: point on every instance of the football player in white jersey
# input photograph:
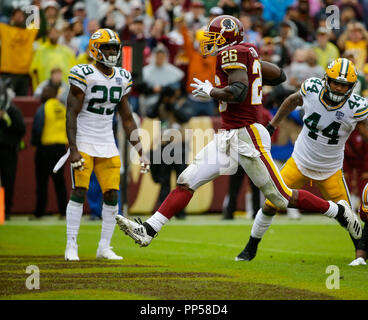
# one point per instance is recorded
(361, 253)
(331, 113)
(96, 92)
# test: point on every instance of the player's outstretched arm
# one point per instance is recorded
(287, 106)
(362, 127)
(130, 126)
(73, 107)
(272, 75)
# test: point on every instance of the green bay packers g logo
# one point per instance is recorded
(96, 35)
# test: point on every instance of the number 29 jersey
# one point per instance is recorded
(102, 94)
(321, 143)
(240, 56)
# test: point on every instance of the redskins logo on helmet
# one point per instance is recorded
(340, 70)
(221, 32)
(99, 38)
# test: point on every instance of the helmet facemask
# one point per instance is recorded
(337, 97)
(112, 59)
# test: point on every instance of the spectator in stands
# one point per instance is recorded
(12, 130)
(355, 38)
(303, 67)
(288, 39)
(49, 138)
(16, 52)
(115, 10)
(67, 8)
(326, 51)
(157, 75)
(250, 35)
(68, 39)
(79, 11)
(195, 18)
(49, 55)
(173, 113)
(52, 14)
(56, 81)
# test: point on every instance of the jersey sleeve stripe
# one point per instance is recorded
(234, 65)
(77, 80)
(302, 89)
(360, 113)
(77, 74)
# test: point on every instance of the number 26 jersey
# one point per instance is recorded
(321, 143)
(102, 94)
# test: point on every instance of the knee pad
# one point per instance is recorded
(187, 177)
(274, 196)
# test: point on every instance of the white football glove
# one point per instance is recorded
(202, 89)
(78, 164)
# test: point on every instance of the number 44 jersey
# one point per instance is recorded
(102, 94)
(321, 143)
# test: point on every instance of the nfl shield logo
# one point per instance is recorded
(339, 115)
(119, 81)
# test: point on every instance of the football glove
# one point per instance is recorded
(202, 89)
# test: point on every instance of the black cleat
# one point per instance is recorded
(250, 250)
(245, 255)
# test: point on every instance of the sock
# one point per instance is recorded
(332, 210)
(108, 224)
(311, 203)
(261, 224)
(156, 222)
(175, 202)
(74, 212)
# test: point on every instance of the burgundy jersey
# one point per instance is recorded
(240, 56)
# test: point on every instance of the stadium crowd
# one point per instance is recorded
(42, 40)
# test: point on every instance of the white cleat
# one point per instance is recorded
(354, 227)
(357, 262)
(107, 253)
(71, 252)
(135, 230)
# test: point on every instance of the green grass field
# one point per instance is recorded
(189, 260)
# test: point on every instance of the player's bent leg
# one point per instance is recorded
(74, 213)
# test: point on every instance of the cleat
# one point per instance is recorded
(71, 252)
(135, 230)
(357, 262)
(353, 224)
(245, 255)
(107, 253)
(250, 250)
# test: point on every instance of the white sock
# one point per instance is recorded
(157, 221)
(74, 211)
(108, 224)
(332, 210)
(261, 224)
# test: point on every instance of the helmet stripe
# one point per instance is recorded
(111, 34)
(344, 67)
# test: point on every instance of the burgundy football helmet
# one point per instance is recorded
(221, 31)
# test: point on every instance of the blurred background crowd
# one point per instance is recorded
(41, 40)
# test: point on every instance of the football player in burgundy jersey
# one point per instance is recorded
(240, 74)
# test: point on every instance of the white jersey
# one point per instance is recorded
(319, 148)
(102, 93)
